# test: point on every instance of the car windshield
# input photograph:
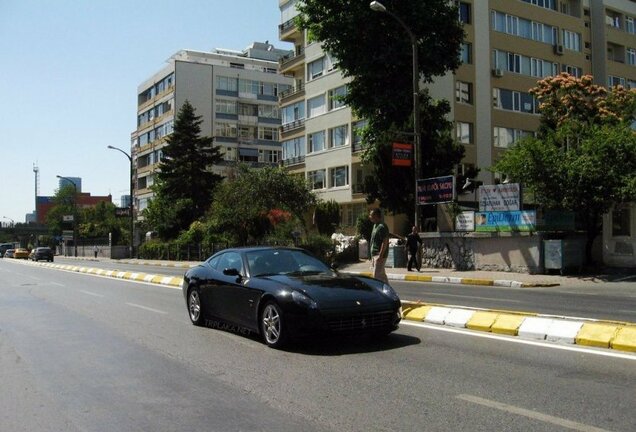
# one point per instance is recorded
(268, 262)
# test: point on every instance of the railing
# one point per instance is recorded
(286, 26)
(285, 60)
(294, 161)
(291, 91)
(293, 125)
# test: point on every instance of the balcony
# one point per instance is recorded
(287, 29)
(284, 96)
(357, 188)
(291, 61)
(297, 124)
(294, 161)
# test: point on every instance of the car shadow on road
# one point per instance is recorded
(329, 345)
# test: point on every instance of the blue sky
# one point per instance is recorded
(69, 75)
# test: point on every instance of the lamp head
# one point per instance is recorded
(377, 6)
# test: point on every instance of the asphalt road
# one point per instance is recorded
(611, 300)
(80, 352)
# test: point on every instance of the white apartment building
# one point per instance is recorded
(509, 45)
(235, 92)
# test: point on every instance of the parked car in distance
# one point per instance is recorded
(284, 292)
(21, 253)
(41, 253)
(4, 247)
(9, 253)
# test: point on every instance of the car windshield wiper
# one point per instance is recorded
(266, 274)
(304, 272)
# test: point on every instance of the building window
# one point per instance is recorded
(464, 12)
(571, 40)
(227, 83)
(229, 153)
(226, 130)
(466, 53)
(629, 25)
(613, 81)
(514, 101)
(621, 219)
(268, 133)
(335, 97)
(268, 111)
(631, 84)
(548, 4)
(464, 132)
(524, 28)
(316, 142)
(248, 110)
(248, 86)
(293, 112)
(572, 70)
(268, 156)
(293, 148)
(316, 179)
(355, 129)
(339, 176)
(506, 137)
(315, 69)
(464, 92)
(339, 136)
(631, 56)
(316, 106)
(226, 106)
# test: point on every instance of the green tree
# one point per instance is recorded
(64, 204)
(584, 158)
(243, 204)
(167, 217)
(186, 169)
(327, 217)
(101, 220)
(373, 50)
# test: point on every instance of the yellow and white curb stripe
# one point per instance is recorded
(458, 280)
(172, 281)
(565, 330)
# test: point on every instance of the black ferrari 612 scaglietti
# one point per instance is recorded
(285, 292)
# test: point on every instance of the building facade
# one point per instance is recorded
(509, 46)
(235, 93)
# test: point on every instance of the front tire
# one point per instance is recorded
(272, 325)
(195, 310)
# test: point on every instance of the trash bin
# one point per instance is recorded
(397, 257)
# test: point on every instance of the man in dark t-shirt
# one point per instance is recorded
(413, 242)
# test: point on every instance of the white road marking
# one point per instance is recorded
(91, 294)
(558, 421)
(514, 339)
(471, 297)
(55, 283)
(625, 278)
(147, 308)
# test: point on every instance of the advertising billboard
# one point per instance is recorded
(436, 190)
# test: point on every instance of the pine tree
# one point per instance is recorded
(186, 166)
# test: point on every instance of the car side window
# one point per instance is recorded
(230, 260)
(214, 262)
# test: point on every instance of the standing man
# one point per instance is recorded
(379, 245)
(413, 242)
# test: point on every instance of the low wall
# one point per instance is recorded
(517, 252)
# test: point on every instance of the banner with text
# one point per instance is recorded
(500, 197)
(402, 154)
(506, 221)
(436, 190)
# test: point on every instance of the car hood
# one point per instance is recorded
(334, 292)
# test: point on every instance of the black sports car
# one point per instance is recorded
(285, 292)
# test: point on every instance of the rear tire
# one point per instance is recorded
(272, 324)
(195, 310)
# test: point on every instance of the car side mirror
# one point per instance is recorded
(231, 272)
(334, 266)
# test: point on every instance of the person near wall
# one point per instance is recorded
(379, 245)
(413, 242)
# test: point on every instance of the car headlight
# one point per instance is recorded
(303, 300)
(389, 292)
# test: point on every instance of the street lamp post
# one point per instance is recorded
(132, 221)
(379, 7)
(74, 211)
(8, 218)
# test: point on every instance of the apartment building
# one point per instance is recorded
(235, 92)
(509, 45)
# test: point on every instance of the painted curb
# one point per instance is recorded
(458, 280)
(619, 336)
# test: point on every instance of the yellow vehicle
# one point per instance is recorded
(21, 253)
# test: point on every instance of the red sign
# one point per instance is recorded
(402, 154)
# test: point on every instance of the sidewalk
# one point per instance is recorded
(488, 278)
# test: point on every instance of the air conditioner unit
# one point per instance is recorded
(558, 49)
(498, 72)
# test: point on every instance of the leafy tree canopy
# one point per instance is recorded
(243, 204)
(584, 158)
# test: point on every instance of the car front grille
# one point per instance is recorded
(361, 321)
